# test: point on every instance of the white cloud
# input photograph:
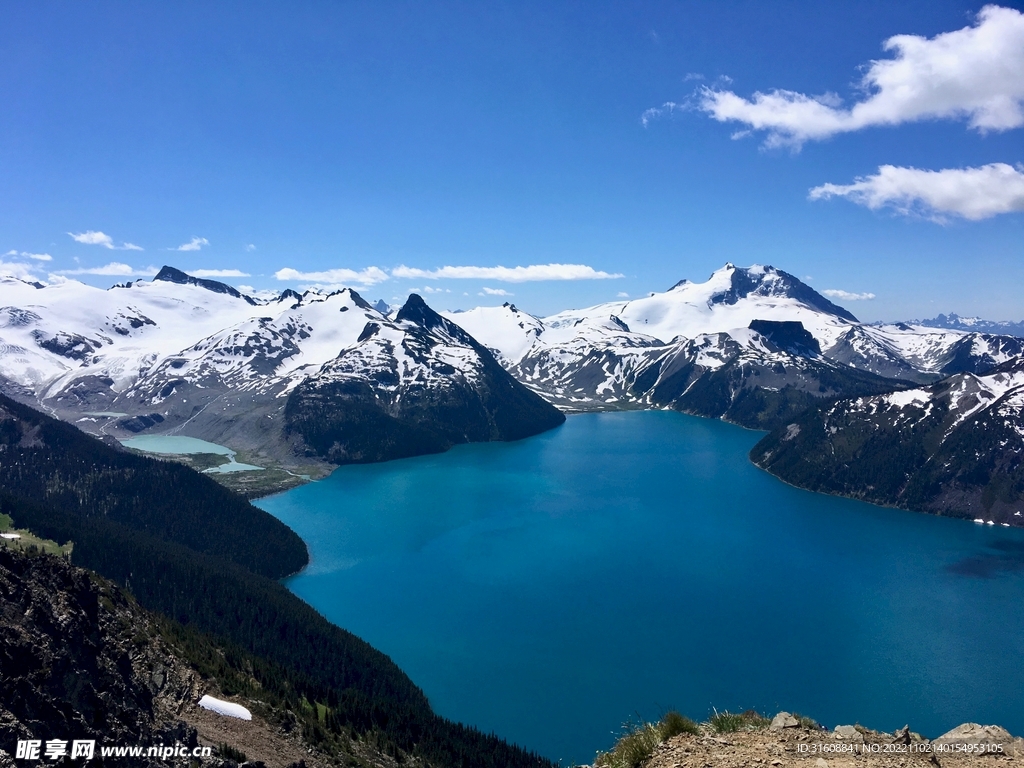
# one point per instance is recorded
(17, 269)
(534, 272)
(972, 193)
(495, 292)
(195, 244)
(26, 255)
(92, 237)
(218, 273)
(428, 289)
(975, 73)
(368, 276)
(257, 294)
(250, 247)
(113, 269)
(836, 293)
(654, 112)
(622, 295)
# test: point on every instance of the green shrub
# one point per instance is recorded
(673, 724)
(726, 722)
(807, 722)
(633, 748)
(729, 722)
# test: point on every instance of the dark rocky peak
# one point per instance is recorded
(358, 300)
(172, 275)
(769, 281)
(416, 311)
(369, 330)
(789, 336)
(288, 294)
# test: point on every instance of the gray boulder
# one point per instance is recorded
(783, 720)
(849, 733)
(972, 733)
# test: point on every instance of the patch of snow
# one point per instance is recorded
(225, 708)
(908, 397)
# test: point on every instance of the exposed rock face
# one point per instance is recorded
(953, 448)
(80, 660)
(783, 720)
(974, 734)
(77, 662)
(416, 384)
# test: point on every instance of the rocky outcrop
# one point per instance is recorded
(809, 746)
(80, 660)
(952, 448)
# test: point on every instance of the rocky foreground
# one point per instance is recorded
(787, 742)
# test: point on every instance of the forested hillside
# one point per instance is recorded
(190, 550)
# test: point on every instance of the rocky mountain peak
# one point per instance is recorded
(173, 275)
(766, 280)
(416, 311)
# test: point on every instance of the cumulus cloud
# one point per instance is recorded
(534, 272)
(622, 295)
(113, 269)
(974, 74)
(17, 269)
(92, 237)
(26, 255)
(495, 292)
(368, 276)
(195, 244)
(971, 193)
(836, 293)
(218, 273)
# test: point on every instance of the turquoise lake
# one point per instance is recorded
(625, 564)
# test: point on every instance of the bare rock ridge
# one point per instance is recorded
(846, 746)
(172, 275)
(744, 740)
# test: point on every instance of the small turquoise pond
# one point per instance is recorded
(179, 444)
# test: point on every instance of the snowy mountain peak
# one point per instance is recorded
(173, 275)
(415, 310)
(736, 283)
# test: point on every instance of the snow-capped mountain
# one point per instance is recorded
(624, 354)
(181, 355)
(416, 384)
(951, 448)
(973, 324)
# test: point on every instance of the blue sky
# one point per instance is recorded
(288, 140)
